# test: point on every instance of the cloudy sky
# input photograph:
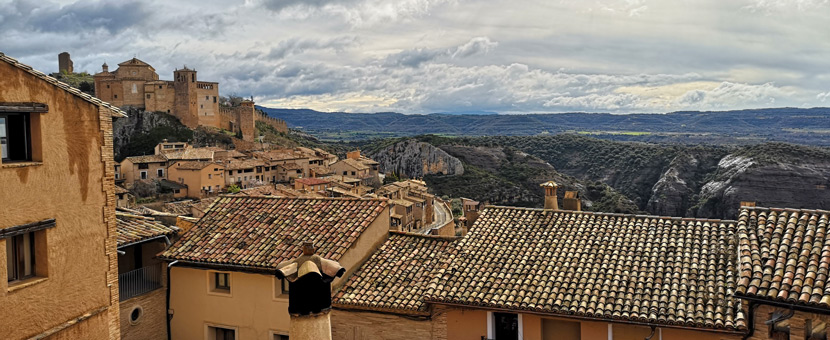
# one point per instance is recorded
(422, 56)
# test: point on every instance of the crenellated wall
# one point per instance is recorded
(242, 119)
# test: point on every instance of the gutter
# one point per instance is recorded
(169, 313)
(803, 308)
(166, 241)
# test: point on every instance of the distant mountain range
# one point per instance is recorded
(794, 125)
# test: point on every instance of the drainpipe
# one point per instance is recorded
(652, 333)
(751, 321)
(169, 316)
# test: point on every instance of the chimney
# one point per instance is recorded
(353, 154)
(571, 201)
(747, 204)
(309, 299)
(550, 195)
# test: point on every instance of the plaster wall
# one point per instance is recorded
(131, 173)
(197, 179)
(72, 182)
(133, 93)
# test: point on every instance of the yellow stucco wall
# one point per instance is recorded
(196, 179)
(251, 306)
(471, 324)
(74, 184)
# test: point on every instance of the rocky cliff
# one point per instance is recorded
(416, 159)
(772, 175)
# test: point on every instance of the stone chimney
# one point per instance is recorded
(353, 154)
(571, 201)
(550, 195)
(747, 204)
(309, 299)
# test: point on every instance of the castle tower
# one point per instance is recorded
(247, 120)
(184, 103)
(65, 63)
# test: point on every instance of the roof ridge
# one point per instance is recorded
(602, 213)
(802, 210)
(117, 112)
(311, 198)
(411, 234)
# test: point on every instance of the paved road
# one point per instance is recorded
(442, 217)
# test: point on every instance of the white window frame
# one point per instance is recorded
(142, 174)
(491, 326)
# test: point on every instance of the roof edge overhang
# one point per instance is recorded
(220, 266)
(402, 312)
(151, 238)
(590, 318)
(795, 306)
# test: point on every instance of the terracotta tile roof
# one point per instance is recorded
(194, 165)
(191, 154)
(239, 164)
(264, 190)
(260, 232)
(179, 208)
(354, 164)
(147, 159)
(396, 276)
(121, 190)
(669, 271)
(311, 181)
(114, 111)
(134, 228)
(784, 256)
(401, 202)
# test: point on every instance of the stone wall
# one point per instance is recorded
(152, 324)
(243, 119)
(360, 325)
(797, 322)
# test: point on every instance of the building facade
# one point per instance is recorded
(58, 262)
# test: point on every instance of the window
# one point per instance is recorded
(221, 333)
(221, 282)
(210, 176)
(779, 325)
(280, 337)
(506, 326)
(214, 99)
(353, 173)
(159, 86)
(345, 173)
(20, 256)
(148, 96)
(202, 106)
(15, 137)
(115, 96)
(108, 86)
(116, 175)
(207, 97)
(144, 175)
(144, 166)
(160, 172)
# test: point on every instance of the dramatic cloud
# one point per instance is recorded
(420, 56)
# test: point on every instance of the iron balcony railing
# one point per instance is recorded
(138, 282)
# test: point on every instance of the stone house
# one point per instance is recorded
(311, 185)
(141, 277)
(246, 173)
(58, 259)
(222, 269)
(149, 167)
(201, 178)
(351, 168)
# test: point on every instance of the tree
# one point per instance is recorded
(233, 188)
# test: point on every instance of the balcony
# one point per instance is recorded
(138, 282)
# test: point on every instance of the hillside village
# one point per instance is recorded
(204, 242)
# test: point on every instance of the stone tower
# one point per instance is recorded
(247, 120)
(65, 63)
(184, 103)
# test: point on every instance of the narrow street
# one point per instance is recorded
(442, 217)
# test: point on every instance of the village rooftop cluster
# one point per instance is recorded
(82, 260)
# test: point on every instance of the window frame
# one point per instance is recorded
(213, 287)
(15, 250)
(27, 137)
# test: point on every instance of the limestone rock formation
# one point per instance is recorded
(416, 159)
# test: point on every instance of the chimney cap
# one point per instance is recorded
(549, 184)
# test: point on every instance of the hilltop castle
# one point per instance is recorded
(136, 84)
